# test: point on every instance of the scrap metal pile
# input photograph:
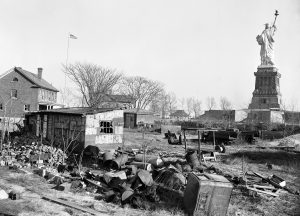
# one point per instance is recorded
(131, 177)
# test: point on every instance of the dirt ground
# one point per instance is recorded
(284, 164)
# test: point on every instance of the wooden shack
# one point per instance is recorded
(134, 117)
(89, 126)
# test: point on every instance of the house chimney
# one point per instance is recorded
(40, 72)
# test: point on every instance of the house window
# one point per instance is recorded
(27, 107)
(14, 93)
(15, 79)
(1, 106)
(106, 127)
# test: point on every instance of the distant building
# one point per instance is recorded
(219, 115)
(292, 117)
(117, 101)
(179, 115)
(133, 117)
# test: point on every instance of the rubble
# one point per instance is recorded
(23, 154)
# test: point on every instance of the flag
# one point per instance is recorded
(73, 36)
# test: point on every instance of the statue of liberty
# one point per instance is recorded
(266, 40)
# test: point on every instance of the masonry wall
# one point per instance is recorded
(26, 95)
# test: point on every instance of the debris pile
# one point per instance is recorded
(30, 154)
(131, 177)
(126, 176)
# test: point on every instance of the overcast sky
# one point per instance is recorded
(196, 48)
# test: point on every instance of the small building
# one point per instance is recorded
(134, 117)
(116, 101)
(179, 115)
(86, 126)
(292, 117)
(219, 115)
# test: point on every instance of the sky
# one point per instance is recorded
(196, 48)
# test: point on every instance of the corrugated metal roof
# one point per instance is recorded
(41, 83)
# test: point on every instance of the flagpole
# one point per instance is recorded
(67, 57)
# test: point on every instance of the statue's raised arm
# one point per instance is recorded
(266, 40)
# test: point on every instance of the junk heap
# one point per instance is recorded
(129, 176)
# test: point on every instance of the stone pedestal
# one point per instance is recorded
(266, 94)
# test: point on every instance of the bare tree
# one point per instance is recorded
(143, 90)
(171, 102)
(93, 81)
(210, 103)
(160, 104)
(225, 104)
(196, 107)
(70, 140)
(189, 106)
(68, 98)
(182, 103)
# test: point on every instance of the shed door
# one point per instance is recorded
(129, 120)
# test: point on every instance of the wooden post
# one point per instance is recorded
(214, 139)
(184, 138)
(199, 145)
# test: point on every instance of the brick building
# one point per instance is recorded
(22, 91)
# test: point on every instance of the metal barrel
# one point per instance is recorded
(107, 158)
(119, 161)
(192, 159)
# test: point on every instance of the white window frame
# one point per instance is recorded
(27, 107)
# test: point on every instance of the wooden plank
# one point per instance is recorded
(74, 205)
(264, 192)
(264, 187)
(199, 145)
(101, 185)
(184, 139)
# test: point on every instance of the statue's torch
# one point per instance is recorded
(276, 14)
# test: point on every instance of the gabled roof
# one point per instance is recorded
(179, 113)
(40, 83)
(33, 78)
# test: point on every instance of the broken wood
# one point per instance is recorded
(276, 184)
(74, 205)
(264, 187)
(261, 191)
(100, 185)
